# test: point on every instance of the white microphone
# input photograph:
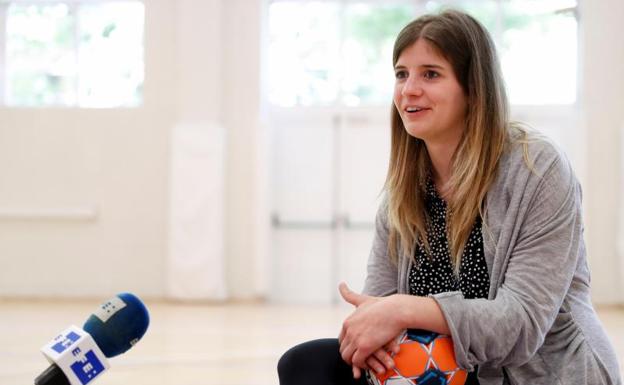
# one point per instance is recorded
(75, 353)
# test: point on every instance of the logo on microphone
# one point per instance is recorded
(75, 352)
(87, 368)
(65, 342)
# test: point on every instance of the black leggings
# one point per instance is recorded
(316, 362)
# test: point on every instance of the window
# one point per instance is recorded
(86, 54)
(537, 46)
(340, 52)
(323, 53)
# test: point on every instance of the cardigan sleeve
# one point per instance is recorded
(542, 240)
(381, 272)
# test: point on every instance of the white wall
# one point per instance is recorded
(120, 162)
(196, 263)
(246, 162)
(602, 99)
(114, 160)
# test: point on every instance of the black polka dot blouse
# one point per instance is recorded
(435, 275)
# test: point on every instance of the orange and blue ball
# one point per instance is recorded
(424, 358)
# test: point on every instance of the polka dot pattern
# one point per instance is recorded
(433, 275)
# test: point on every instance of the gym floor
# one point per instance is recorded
(233, 344)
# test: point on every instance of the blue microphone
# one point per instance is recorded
(78, 356)
(118, 324)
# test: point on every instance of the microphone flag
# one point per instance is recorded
(75, 352)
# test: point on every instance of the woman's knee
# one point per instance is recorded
(292, 361)
(308, 360)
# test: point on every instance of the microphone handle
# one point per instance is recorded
(53, 375)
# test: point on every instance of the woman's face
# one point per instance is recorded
(430, 100)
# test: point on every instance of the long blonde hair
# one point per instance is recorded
(466, 44)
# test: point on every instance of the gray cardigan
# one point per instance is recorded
(537, 325)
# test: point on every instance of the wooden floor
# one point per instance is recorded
(236, 344)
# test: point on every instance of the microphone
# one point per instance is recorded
(78, 356)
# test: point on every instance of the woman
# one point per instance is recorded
(479, 237)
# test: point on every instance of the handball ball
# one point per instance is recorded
(425, 358)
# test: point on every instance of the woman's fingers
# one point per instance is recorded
(376, 364)
(357, 372)
(393, 346)
(346, 352)
(383, 358)
(359, 358)
(380, 361)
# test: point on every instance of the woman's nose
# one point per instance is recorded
(412, 87)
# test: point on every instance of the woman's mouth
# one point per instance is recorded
(416, 111)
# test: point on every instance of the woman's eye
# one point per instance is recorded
(431, 75)
(400, 74)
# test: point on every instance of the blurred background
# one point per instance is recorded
(213, 153)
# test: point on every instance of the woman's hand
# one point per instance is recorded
(374, 324)
(380, 361)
